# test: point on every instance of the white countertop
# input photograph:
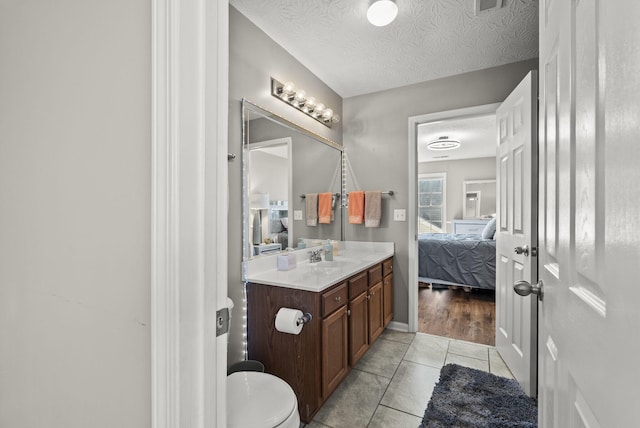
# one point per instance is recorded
(354, 256)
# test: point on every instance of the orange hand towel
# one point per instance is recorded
(356, 207)
(324, 207)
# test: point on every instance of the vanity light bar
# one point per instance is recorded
(298, 99)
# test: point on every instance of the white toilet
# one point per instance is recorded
(260, 400)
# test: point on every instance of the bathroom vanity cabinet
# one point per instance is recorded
(347, 318)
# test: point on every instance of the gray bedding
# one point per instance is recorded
(460, 259)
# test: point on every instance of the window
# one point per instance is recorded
(431, 203)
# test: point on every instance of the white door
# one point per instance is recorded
(516, 316)
(189, 213)
(589, 213)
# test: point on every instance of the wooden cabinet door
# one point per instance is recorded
(387, 303)
(335, 364)
(358, 327)
(376, 315)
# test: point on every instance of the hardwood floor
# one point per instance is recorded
(457, 314)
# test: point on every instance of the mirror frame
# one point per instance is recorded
(245, 191)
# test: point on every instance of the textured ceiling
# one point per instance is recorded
(429, 39)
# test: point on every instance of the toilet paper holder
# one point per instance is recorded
(304, 319)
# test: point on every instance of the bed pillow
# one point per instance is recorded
(489, 230)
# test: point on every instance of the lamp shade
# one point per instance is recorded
(382, 12)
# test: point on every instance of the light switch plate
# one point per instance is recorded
(297, 214)
(399, 215)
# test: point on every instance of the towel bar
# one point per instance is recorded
(337, 195)
(388, 192)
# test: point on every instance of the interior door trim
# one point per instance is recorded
(412, 249)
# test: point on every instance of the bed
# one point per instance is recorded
(461, 260)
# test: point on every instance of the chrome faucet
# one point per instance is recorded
(315, 256)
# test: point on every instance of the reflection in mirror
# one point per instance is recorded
(283, 162)
(479, 198)
(269, 187)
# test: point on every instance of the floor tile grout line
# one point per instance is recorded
(394, 374)
(390, 381)
(438, 342)
(398, 410)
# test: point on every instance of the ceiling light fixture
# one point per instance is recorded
(382, 12)
(286, 92)
(443, 143)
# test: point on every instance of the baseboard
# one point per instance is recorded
(398, 326)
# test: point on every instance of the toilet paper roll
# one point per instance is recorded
(287, 321)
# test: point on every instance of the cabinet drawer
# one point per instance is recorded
(358, 284)
(375, 274)
(387, 267)
(333, 299)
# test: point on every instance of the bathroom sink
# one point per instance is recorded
(325, 264)
(331, 265)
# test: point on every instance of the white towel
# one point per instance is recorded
(372, 208)
(311, 205)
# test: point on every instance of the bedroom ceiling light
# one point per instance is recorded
(298, 99)
(443, 143)
(382, 12)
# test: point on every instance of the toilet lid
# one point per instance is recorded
(256, 399)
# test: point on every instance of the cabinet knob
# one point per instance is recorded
(368, 296)
(338, 298)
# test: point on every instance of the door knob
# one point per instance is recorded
(522, 250)
(523, 288)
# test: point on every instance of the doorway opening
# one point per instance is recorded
(449, 301)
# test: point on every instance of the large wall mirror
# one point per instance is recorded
(479, 199)
(282, 163)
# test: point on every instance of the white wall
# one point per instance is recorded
(458, 171)
(75, 221)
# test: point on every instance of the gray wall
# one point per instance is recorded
(253, 59)
(75, 168)
(458, 171)
(269, 175)
(375, 137)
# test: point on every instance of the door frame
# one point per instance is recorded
(412, 240)
(189, 187)
(288, 141)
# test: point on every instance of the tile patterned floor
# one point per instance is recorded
(392, 384)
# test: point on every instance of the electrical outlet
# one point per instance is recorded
(297, 214)
(399, 215)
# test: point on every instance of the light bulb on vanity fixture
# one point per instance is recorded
(382, 12)
(300, 98)
(297, 98)
(310, 105)
(289, 88)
